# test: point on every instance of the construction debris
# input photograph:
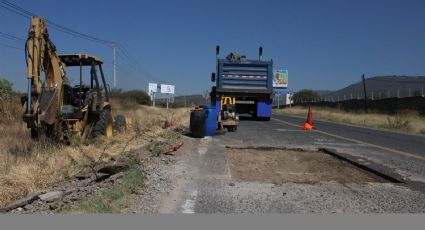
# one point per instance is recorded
(22, 202)
(52, 196)
(173, 149)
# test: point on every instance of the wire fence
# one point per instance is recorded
(385, 105)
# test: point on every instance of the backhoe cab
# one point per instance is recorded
(86, 109)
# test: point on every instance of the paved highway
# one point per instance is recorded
(203, 181)
(405, 144)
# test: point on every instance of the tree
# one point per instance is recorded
(305, 95)
(5, 89)
(417, 93)
(139, 96)
(8, 107)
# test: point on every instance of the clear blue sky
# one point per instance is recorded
(324, 44)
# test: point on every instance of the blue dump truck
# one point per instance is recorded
(250, 82)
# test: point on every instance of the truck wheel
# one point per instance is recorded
(120, 124)
(104, 125)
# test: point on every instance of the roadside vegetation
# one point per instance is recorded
(305, 95)
(28, 166)
(406, 121)
(118, 197)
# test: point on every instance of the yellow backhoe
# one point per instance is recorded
(52, 106)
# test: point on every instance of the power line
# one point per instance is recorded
(6, 5)
(130, 60)
(26, 13)
(10, 46)
(11, 37)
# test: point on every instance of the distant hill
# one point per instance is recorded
(191, 100)
(323, 92)
(382, 87)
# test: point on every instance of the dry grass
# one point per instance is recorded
(407, 121)
(27, 166)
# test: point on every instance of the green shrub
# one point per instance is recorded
(138, 96)
(398, 122)
(5, 89)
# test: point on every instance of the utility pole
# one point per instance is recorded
(114, 64)
(290, 100)
(365, 95)
(278, 102)
(422, 91)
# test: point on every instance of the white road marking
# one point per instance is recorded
(206, 139)
(290, 130)
(337, 144)
(202, 150)
(189, 204)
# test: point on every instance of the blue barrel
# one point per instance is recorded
(210, 120)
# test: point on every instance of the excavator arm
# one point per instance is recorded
(45, 95)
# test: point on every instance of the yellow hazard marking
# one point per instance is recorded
(406, 154)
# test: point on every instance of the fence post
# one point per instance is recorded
(365, 95)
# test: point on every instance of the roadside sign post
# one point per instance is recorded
(167, 100)
(167, 89)
(278, 101)
(152, 89)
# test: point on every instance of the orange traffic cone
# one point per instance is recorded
(309, 123)
(310, 116)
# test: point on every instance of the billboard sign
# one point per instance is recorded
(280, 78)
(153, 88)
(168, 89)
(282, 91)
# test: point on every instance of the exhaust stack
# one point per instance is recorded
(260, 53)
(217, 55)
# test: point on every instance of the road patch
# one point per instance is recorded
(298, 166)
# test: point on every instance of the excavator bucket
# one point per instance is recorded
(47, 106)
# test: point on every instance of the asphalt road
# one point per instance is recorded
(411, 144)
(203, 182)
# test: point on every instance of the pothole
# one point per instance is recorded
(272, 165)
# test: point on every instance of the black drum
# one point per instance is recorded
(197, 123)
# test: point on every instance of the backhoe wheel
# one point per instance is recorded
(104, 125)
(34, 133)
